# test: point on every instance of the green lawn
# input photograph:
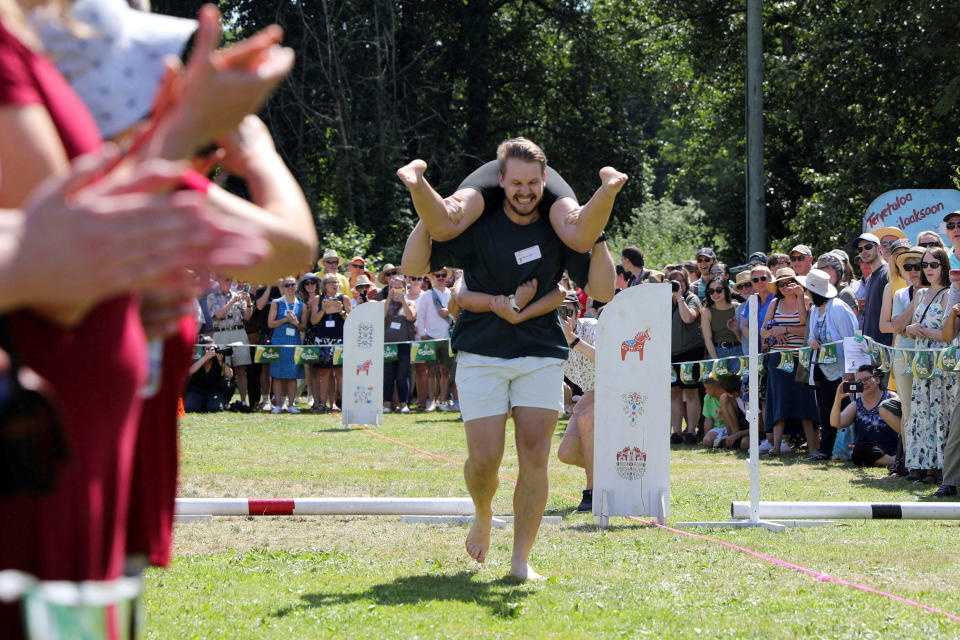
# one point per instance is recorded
(376, 577)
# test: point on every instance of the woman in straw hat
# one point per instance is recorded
(831, 320)
(784, 328)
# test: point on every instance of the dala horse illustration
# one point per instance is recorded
(634, 345)
(365, 367)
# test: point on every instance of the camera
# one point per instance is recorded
(853, 387)
(564, 312)
(675, 286)
(224, 351)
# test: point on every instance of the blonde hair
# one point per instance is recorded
(520, 149)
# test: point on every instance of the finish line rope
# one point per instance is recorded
(817, 575)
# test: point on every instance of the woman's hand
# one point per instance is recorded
(501, 306)
(569, 325)
(814, 343)
(525, 293)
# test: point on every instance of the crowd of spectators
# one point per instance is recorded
(310, 309)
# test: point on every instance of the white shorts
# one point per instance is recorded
(241, 355)
(488, 386)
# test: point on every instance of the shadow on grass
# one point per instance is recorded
(898, 485)
(502, 597)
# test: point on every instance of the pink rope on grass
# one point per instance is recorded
(816, 575)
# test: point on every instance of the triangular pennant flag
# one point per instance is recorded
(806, 354)
(947, 359)
(828, 354)
(706, 370)
(390, 352)
(673, 375)
(744, 365)
(721, 368)
(686, 372)
(786, 362)
(923, 364)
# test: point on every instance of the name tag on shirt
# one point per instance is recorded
(330, 323)
(528, 255)
(394, 325)
(290, 331)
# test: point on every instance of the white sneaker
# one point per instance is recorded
(431, 406)
(785, 447)
(276, 410)
(404, 409)
(765, 447)
(266, 407)
(293, 410)
(386, 409)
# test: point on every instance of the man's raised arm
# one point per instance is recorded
(416, 252)
(443, 218)
(580, 226)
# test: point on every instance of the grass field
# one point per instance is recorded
(376, 577)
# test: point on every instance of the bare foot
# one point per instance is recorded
(412, 174)
(523, 571)
(612, 180)
(525, 293)
(478, 539)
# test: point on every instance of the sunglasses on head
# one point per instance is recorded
(929, 265)
(866, 246)
(912, 266)
(931, 243)
(713, 291)
(951, 225)
(760, 279)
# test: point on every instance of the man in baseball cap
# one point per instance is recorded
(951, 227)
(705, 260)
(867, 247)
(801, 259)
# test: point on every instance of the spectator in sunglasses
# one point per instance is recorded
(801, 259)
(897, 313)
(330, 263)
(889, 235)
(721, 334)
(760, 276)
(867, 246)
(932, 397)
(928, 239)
(874, 442)
(706, 258)
(951, 225)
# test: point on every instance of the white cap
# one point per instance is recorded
(117, 70)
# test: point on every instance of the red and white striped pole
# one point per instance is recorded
(324, 506)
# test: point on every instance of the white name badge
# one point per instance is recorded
(291, 331)
(330, 323)
(528, 255)
(395, 325)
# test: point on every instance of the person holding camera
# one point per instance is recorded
(874, 442)
(328, 311)
(229, 310)
(686, 344)
(363, 290)
(210, 384)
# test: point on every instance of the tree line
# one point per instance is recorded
(860, 97)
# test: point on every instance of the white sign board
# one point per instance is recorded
(855, 354)
(631, 456)
(912, 210)
(363, 365)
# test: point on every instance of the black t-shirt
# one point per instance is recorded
(497, 256)
(486, 180)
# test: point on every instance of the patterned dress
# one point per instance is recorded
(932, 399)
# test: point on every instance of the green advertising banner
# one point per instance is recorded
(423, 351)
(390, 352)
(267, 354)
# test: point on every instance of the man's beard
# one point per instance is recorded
(534, 209)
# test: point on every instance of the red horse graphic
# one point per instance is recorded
(365, 367)
(634, 345)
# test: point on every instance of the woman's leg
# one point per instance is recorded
(402, 375)
(337, 388)
(389, 379)
(813, 438)
(691, 401)
(778, 428)
(676, 409)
